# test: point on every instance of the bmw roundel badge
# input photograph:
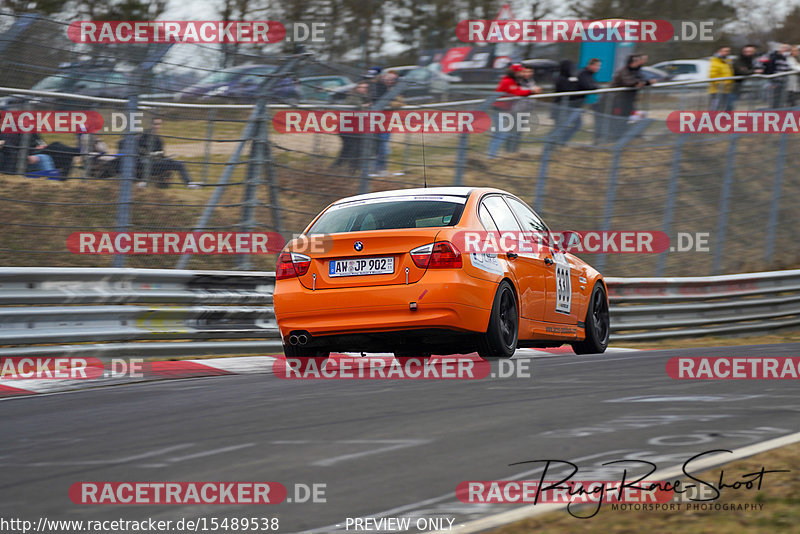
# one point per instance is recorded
(358, 245)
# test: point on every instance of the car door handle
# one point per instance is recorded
(548, 261)
(512, 255)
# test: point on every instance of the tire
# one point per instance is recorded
(597, 326)
(500, 339)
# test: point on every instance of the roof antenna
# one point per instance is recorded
(424, 173)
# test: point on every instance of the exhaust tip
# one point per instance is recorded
(293, 339)
(302, 339)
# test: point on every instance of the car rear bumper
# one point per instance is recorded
(446, 299)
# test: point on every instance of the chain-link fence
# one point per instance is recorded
(223, 166)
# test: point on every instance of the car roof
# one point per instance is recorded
(696, 60)
(249, 66)
(421, 191)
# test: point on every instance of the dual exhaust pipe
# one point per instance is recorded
(299, 339)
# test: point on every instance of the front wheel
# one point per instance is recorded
(597, 325)
(500, 339)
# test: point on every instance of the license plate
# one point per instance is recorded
(361, 266)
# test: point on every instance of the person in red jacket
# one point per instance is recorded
(518, 81)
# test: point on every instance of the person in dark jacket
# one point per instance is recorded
(153, 163)
(778, 62)
(350, 153)
(746, 64)
(625, 101)
(567, 111)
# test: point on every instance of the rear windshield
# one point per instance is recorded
(390, 214)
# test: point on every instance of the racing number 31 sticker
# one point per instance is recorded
(563, 284)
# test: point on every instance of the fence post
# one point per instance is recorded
(249, 132)
(252, 181)
(632, 131)
(463, 144)
(212, 114)
(722, 223)
(549, 145)
(463, 141)
(272, 180)
(672, 192)
(776, 198)
(128, 175)
(369, 142)
(22, 151)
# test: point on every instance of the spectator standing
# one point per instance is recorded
(514, 82)
(567, 110)
(720, 92)
(746, 64)
(351, 142)
(520, 107)
(793, 83)
(385, 84)
(777, 63)
(625, 101)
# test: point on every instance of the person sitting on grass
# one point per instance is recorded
(153, 162)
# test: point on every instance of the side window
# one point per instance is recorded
(530, 221)
(501, 214)
(486, 219)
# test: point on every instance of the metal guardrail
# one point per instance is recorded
(657, 308)
(123, 311)
(162, 312)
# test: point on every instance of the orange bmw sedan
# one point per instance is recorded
(392, 274)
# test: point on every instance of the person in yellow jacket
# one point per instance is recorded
(721, 67)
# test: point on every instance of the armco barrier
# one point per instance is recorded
(136, 312)
(656, 308)
(154, 312)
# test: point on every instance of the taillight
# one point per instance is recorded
(440, 255)
(422, 255)
(291, 264)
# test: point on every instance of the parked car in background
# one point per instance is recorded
(423, 84)
(683, 70)
(236, 83)
(655, 75)
(424, 81)
(86, 82)
(321, 88)
(102, 82)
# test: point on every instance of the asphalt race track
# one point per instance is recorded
(391, 448)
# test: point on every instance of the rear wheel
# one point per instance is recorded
(500, 339)
(597, 324)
